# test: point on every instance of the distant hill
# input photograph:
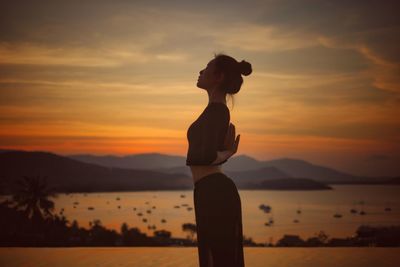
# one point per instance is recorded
(394, 180)
(237, 165)
(148, 161)
(243, 163)
(301, 168)
(240, 165)
(253, 178)
(67, 174)
(242, 178)
(7, 150)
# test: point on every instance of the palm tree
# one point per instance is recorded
(124, 228)
(191, 228)
(32, 195)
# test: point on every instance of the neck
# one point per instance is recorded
(215, 95)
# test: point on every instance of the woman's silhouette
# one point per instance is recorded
(211, 142)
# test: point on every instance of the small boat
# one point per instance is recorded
(151, 227)
(144, 220)
(139, 214)
(148, 211)
(182, 196)
(362, 212)
(163, 220)
(119, 207)
(353, 211)
(265, 208)
(337, 215)
(90, 208)
(176, 207)
(189, 208)
(154, 207)
(299, 209)
(118, 198)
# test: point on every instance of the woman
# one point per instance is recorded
(211, 142)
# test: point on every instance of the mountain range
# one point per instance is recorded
(240, 166)
(154, 171)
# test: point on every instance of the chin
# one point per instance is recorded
(200, 85)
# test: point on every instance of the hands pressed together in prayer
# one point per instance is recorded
(231, 143)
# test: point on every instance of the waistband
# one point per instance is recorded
(211, 176)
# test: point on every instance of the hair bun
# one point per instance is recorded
(245, 68)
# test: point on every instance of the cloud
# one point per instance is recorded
(34, 54)
(385, 73)
(262, 38)
(370, 28)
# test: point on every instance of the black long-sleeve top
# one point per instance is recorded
(206, 135)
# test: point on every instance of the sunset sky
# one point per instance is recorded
(119, 77)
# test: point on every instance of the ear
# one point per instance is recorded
(220, 77)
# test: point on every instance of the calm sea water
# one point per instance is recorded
(316, 210)
(187, 257)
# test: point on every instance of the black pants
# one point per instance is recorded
(219, 221)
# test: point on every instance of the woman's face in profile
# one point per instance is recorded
(207, 78)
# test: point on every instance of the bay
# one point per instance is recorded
(314, 210)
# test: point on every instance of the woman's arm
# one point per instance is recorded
(231, 145)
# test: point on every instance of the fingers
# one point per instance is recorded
(236, 144)
(231, 143)
(229, 139)
(232, 134)
(232, 131)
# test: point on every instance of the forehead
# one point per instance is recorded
(210, 63)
